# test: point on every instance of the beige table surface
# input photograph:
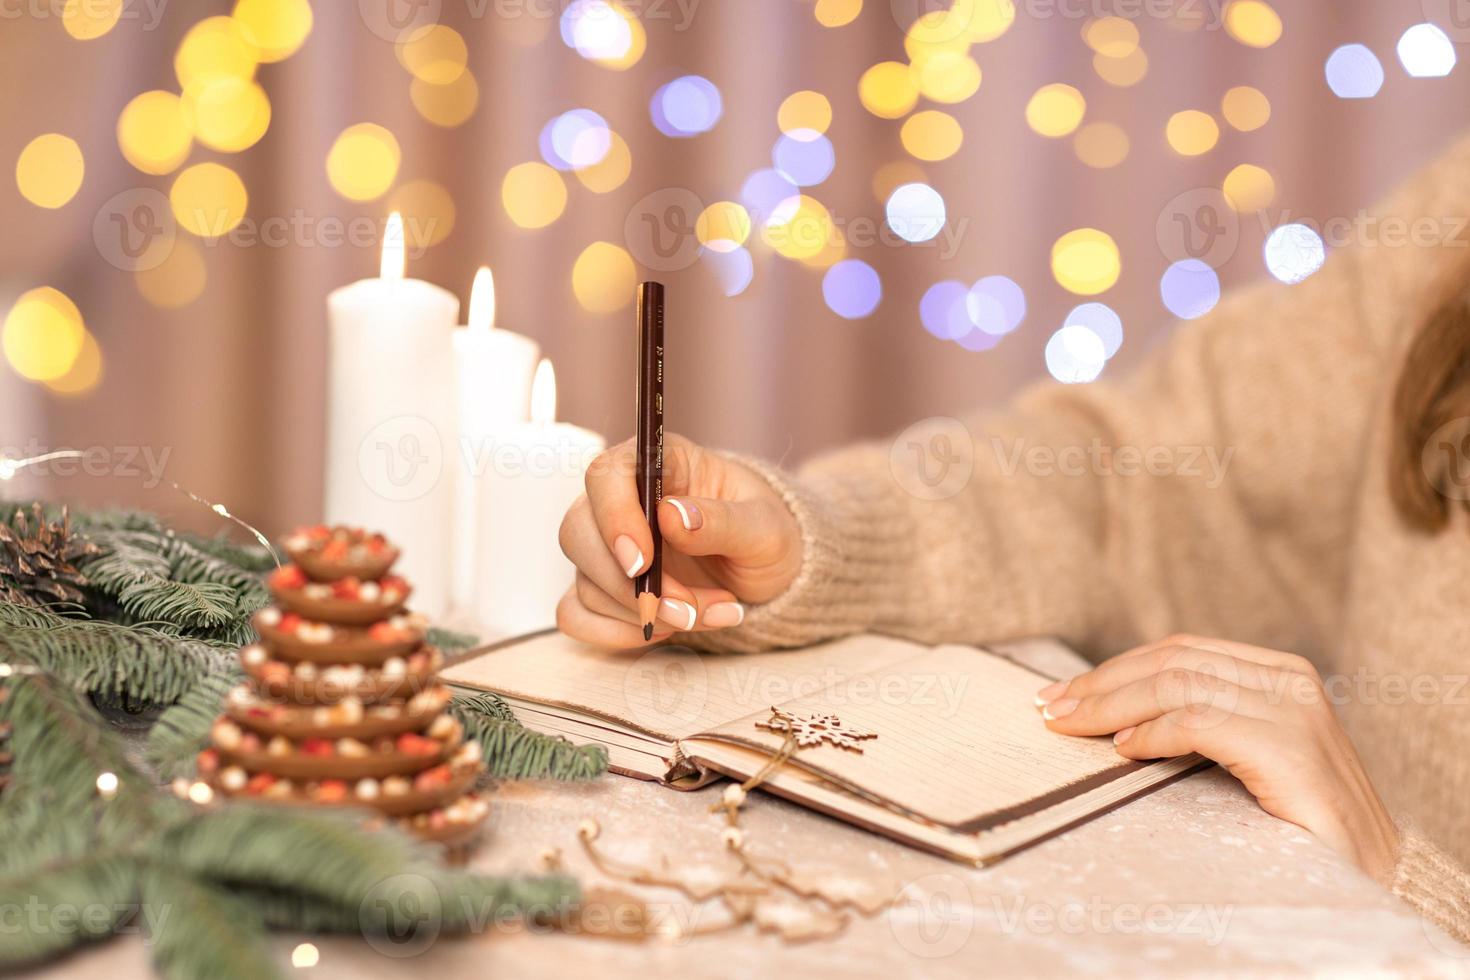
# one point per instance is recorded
(1194, 880)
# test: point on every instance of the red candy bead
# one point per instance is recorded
(287, 577)
(331, 791)
(316, 747)
(346, 588)
(290, 623)
(259, 783)
(410, 743)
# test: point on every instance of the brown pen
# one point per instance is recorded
(648, 586)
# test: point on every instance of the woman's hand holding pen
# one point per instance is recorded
(728, 539)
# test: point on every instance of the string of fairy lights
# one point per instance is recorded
(221, 105)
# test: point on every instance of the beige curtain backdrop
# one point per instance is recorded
(231, 386)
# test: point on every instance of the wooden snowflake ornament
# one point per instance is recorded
(815, 729)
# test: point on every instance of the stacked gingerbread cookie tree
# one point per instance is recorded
(343, 705)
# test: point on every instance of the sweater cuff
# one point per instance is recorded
(853, 533)
(1433, 883)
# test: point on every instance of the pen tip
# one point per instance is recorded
(647, 631)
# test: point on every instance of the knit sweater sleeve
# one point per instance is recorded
(1211, 491)
(1433, 883)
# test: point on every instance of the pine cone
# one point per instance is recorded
(39, 558)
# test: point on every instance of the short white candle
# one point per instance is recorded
(493, 369)
(391, 430)
(528, 476)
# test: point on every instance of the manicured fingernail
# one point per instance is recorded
(689, 513)
(626, 551)
(1122, 736)
(677, 613)
(1059, 709)
(724, 615)
(1050, 693)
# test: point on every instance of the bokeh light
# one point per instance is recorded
(277, 28)
(837, 13)
(1112, 37)
(765, 190)
(1426, 51)
(213, 49)
(1354, 72)
(575, 139)
(888, 90)
(805, 161)
(609, 173)
(534, 195)
(363, 162)
(1246, 108)
(434, 53)
(804, 114)
(800, 228)
(604, 32)
(1249, 188)
(446, 105)
(915, 212)
(604, 278)
(1102, 321)
(227, 114)
(42, 335)
(1294, 252)
(723, 226)
(1189, 289)
(944, 310)
(984, 20)
(1124, 72)
(89, 19)
(85, 373)
(977, 341)
(50, 170)
(932, 135)
(1086, 261)
(949, 77)
(733, 270)
(935, 33)
(154, 134)
(1192, 132)
(1101, 145)
(208, 200)
(1075, 355)
(1253, 23)
(852, 289)
(1055, 110)
(894, 174)
(176, 281)
(686, 107)
(428, 212)
(996, 305)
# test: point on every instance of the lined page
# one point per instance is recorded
(959, 740)
(672, 692)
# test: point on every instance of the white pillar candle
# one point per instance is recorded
(391, 432)
(493, 370)
(528, 475)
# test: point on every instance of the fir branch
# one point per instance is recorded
(198, 929)
(101, 883)
(246, 557)
(450, 641)
(108, 658)
(484, 705)
(513, 751)
(183, 730)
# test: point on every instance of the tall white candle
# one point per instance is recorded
(528, 475)
(391, 429)
(493, 371)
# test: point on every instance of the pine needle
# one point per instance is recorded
(513, 751)
(198, 929)
(183, 730)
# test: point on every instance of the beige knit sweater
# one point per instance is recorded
(1296, 547)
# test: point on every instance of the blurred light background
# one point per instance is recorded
(866, 211)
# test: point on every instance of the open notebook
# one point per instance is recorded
(961, 764)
